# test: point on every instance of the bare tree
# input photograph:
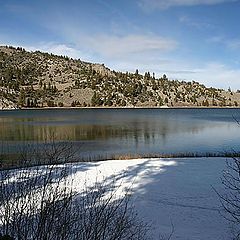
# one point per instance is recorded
(230, 199)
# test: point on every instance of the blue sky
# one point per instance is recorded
(186, 39)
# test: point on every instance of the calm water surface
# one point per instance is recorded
(125, 131)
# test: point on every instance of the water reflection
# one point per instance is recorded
(125, 130)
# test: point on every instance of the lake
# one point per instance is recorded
(106, 132)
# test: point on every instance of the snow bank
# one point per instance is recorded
(167, 192)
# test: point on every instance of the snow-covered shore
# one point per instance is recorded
(168, 192)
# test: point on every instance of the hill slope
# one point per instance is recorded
(36, 79)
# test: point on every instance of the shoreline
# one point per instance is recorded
(14, 164)
(136, 159)
(104, 107)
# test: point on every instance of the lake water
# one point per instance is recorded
(125, 131)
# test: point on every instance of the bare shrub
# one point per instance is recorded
(41, 203)
(47, 152)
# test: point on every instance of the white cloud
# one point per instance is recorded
(215, 39)
(213, 75)
(58, 49)
(164, 4)
(194, 23)
(221, 76)
(114, 46)
(231, 44)
(50, 47)
(234, 44)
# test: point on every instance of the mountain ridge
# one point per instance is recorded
(37, 79)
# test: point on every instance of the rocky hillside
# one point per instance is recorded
(36, 79)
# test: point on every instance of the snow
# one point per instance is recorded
(167, 192)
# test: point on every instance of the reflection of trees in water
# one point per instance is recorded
(136, 131)
(123, 134)
(24, 132)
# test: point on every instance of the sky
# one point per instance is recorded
(185, 39)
